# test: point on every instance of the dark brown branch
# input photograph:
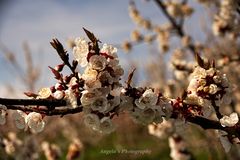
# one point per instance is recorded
(46, 111)
(30, 105)
(205, 123)
(37, 105)
(36, 102)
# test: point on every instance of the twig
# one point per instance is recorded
(216, 108)
(178, 27)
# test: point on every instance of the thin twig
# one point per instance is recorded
(177, 26)
(216, 108)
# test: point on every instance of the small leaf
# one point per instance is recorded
(130, 76)
(30, 94)
(55, 72)
(94, 40)
(74, 64)
(90, 35)
(199, 60)
(184, 94)
(60, 50)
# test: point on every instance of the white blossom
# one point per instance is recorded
(177, 145)
(88, 97)
(35, 121)
(80, 51)
(105, 78)
(217, 79)
(100, 104)
(148, 99)
(126, 103)
(92, 121)
(112, 62)
(229, 121)
(58, 94)
(92, 84)
(109, 49)
(89, 74)
(160, 130)
(71, 98)
(3, 113)
(193, 85)
(143, 116)
(199, 72)
(19, 118)
(44, 93)
(106, 125)
(213, 89)
(117, 72)
(98, 62)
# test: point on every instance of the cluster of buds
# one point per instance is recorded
(163, 36)
(225, 21)
(137, 18)
(176, 9)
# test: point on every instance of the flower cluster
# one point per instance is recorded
(137, 18)
(97, 90)
(207, 87)
(148, 107)
(176, 9)
(3, 113)
(32, 120)
(11, 143)
(101, 91)
(161, 130)
(225, 20)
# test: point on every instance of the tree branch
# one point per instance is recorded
(36, 105)
(205, 123)
(38, 102)
(177, 26)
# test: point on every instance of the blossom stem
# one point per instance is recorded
(216, 108)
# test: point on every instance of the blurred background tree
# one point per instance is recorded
(163, 37)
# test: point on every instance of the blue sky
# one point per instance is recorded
(37, 22)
